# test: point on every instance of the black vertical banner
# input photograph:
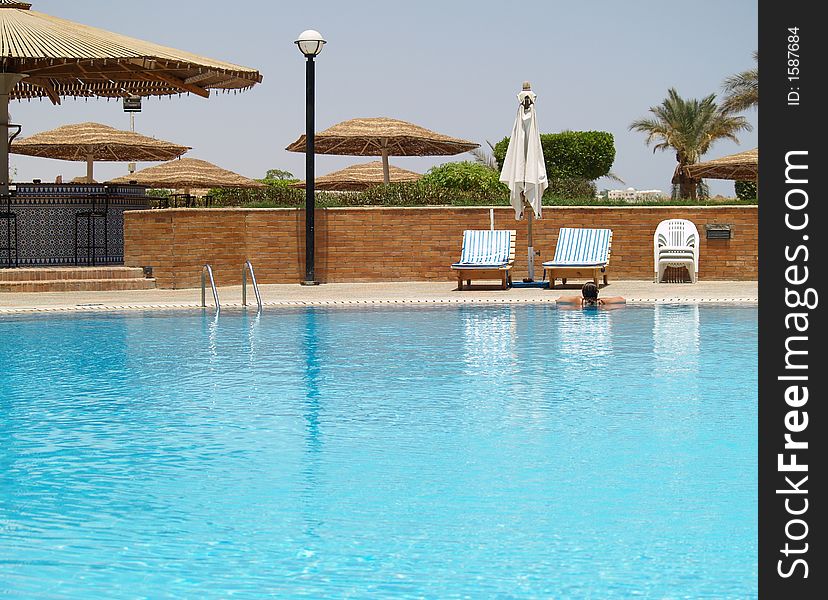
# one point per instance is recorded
(792, 480)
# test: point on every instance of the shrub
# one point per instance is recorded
(419, 193)
(746, 190)
(466, 177)
(278, 192)
(571, 154)
(576, 189)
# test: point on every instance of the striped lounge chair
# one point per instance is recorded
(486, 255)
(579, 253)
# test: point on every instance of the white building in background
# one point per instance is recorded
(633, 195)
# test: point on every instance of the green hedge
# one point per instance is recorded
(467, 177)
(277, 192)
(571, 154)
(422, 193)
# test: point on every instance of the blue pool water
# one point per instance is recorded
(444, 452)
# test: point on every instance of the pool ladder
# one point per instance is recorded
(248, 266)
(207, 270)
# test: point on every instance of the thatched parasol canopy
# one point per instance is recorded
(360, 177)
(91, 142)
(44, 56)
(743, 166)
(63, 58)
(384, 137)
(187, 173)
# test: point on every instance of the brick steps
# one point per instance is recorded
(74, 279)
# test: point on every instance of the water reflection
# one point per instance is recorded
(311, 494)
(312, 380)
(253, 338)
(585, 338)
(212, 337)
(676, 339)
(489, 341)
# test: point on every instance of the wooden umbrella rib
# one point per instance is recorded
(179, 83)
(331, 149)
(47, 88)
(400, 149)
(200, 77)
(107, 148)
(368, 144)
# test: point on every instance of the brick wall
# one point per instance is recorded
(407, 244)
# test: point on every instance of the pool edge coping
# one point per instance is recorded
(352, 303)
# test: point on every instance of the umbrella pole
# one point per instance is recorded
(89, 163)
(386, 175)
(7, 83)
(530, 218)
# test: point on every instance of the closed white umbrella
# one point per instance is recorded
(524, 170)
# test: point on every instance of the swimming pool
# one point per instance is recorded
(442, 452)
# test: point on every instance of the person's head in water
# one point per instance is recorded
(590, 293)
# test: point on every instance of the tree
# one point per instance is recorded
(689, 127)
(278, 174)
(487, 159)
(742, 90)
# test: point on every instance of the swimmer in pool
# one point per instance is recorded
(589, 297)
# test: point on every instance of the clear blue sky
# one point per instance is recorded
(450, 66)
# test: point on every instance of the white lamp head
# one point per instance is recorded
(310, 42)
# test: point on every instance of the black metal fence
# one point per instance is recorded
(45, 224)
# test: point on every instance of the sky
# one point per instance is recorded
(454, 67)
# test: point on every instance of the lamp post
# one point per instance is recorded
(310, 44)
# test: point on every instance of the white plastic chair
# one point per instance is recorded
(676, 244)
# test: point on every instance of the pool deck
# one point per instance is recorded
(351, 294)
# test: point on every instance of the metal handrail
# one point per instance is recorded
(209, 271)
(248, 266)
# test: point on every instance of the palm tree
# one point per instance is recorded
(487, 159)
(742, 90)
(689, 127)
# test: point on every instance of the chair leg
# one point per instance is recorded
(606, 281)
(459, 281)
(504, 278)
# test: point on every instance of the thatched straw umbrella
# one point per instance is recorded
(384, 137)
(44, 56)
(95, 142)
(187, 173)
(360, 177)
(743, 166)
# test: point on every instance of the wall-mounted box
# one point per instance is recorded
(719, 232)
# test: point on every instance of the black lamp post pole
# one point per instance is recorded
(310, 180)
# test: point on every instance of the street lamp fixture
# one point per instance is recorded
(310, 44)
